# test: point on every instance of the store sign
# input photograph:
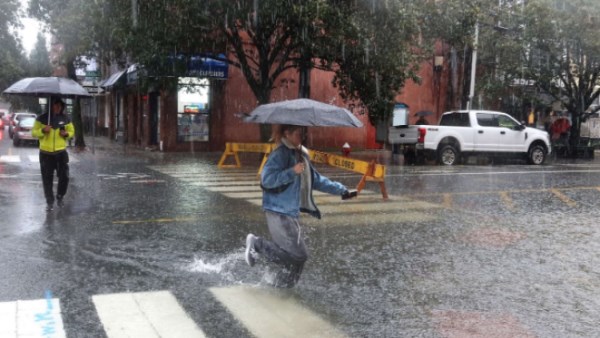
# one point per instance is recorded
(203, 66)
(191, 109)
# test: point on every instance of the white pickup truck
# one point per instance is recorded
(490, 133)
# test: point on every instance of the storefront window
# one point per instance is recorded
(192, 110)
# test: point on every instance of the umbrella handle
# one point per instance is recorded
(49, 108)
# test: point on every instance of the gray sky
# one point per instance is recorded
(30, 30)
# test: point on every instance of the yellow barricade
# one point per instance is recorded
(371, 171)
(232, 149)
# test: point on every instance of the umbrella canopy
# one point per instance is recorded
(424, 113)
(47, 86)
(303, 112)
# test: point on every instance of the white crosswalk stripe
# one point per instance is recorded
(144, 314)
(29, 159)
(266, 313)
(31, 318)
(368, 208)
(10, 158)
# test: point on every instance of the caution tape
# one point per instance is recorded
(371, 171)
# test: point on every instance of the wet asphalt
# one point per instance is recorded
(494, 250)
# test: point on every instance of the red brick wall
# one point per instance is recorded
(232, 97)
(236, 97)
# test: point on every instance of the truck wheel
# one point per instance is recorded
(536, 154)
(448, 155)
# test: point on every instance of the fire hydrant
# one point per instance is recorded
(346, 148)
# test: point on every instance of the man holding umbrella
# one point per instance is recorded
(288, 180)
(54, 129)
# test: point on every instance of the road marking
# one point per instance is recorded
(269, 313)
(157, 220)
(459, 323)
(447, 202)
(328, 209)
(563, 198)
(508, 202)
(235, 188)
(30, 159)
(215, 183)
(255, 194)
(10, 158)
(487, 173)
(31, 318)
(367, 219)
(144, 314)
(146, 181)
(368, 207)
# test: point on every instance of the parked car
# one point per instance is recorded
(464, 133)
(3, 114)
(22, 132)
(483, 132)
(15, 119)
(7, 117)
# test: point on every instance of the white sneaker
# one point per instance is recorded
(250, 251)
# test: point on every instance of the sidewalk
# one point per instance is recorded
(105, 144)
(380, 156)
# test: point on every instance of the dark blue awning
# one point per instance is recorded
(202, 66)
(112, 80)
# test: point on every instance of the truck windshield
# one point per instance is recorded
(507, 122)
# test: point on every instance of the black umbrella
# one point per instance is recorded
(424, 113)
(47, 87)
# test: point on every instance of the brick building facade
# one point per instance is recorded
(150, 119)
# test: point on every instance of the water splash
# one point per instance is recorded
(215, 265)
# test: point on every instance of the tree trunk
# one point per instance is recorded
(76, 116)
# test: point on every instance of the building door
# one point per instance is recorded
(153, 105)
(119, 122)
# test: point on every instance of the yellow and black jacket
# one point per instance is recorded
(53, 142)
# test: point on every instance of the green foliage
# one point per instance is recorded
(12, 62)
(452, 22)
(551, 50)
(39, 60)
(374, 48)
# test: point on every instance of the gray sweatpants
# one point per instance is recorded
(287, 248)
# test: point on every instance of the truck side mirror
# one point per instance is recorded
(520, 127)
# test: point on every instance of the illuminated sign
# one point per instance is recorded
(191, 109)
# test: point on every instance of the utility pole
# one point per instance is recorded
(473, 68)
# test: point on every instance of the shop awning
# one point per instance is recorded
(113, 79)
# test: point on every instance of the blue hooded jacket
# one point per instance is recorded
(282, 186)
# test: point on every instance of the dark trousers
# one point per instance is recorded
(287, 248)
(48, 164)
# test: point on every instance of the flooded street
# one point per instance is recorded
(466, 251)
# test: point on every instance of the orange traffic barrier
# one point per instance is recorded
(371, 170)
(232, 149)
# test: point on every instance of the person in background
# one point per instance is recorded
(548, 120)
(422, 121)
(531, 118)
(54, 129)
(287, 180)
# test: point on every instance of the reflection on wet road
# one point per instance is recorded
(455, 252)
